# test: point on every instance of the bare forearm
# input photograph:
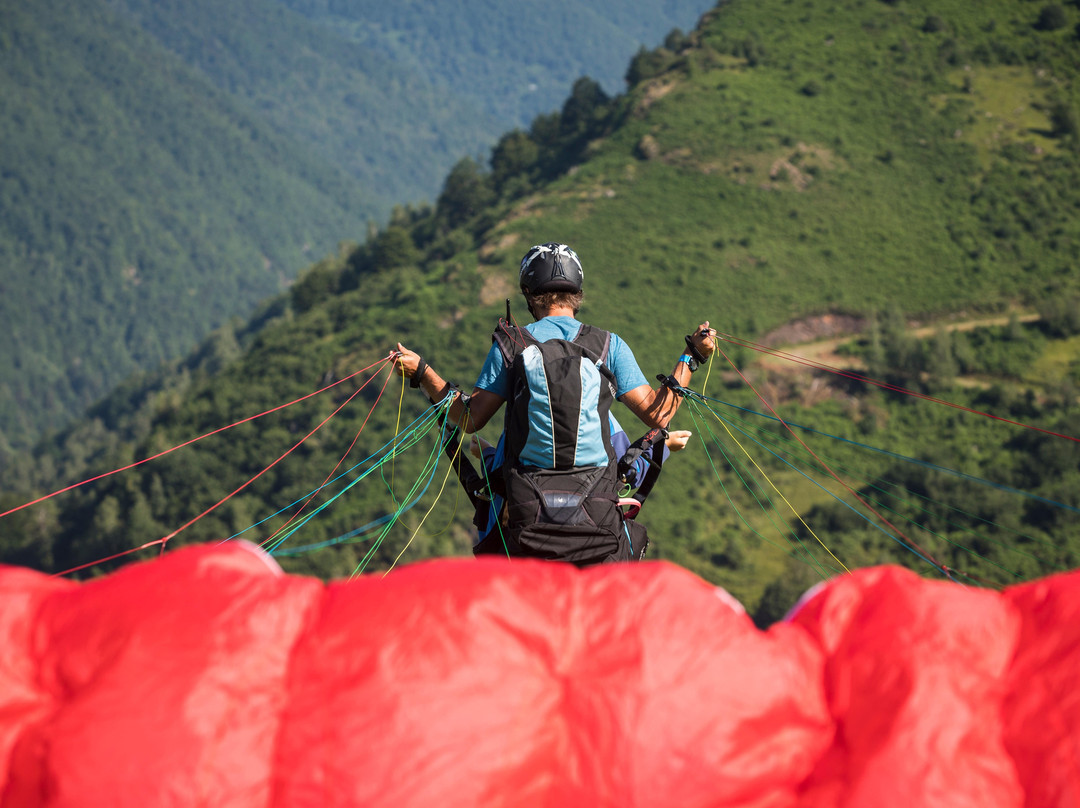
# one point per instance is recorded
(657, 407)
(436, 388)
(468, 417)
(665, 401)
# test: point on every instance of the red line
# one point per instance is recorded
(300, 510)
(108, 558)
(520, 339)
(885, 385)
(295, 446)
(832, 473)
(185, 443)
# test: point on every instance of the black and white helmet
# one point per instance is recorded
(550, 267)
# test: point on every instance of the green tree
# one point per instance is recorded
(941, 365)
(1064, 121)
(583, 109)
(394, 248)
(314, 286)
(1051, 18)
(466, 192)
(515, 155)
(648, 64)
(901, 349)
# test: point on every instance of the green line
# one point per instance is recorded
(400, 442)
(429, 464)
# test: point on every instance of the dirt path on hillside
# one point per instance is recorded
(824, 351)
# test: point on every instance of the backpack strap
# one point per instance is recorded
(594, 340)
(511, 340)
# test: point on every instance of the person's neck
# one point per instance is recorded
(555, 311)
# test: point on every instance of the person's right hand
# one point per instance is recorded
(405, 361)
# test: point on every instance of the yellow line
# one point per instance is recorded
(777, 490)
(397, 432)
(449, 468)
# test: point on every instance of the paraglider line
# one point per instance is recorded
(779, 494)
(905, 458)
(703, 425)
(871, 484)
(449, 468)
(832, 473)
(412, 438)
(397, 430)
(165, 540)
(113, 557)
(428, 415)
(431, 464)
(186, 443)
(328, 476)
(855, 511)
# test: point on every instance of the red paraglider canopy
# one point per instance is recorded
(208, 677)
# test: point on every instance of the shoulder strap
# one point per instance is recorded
(511, 340)
(596, 341)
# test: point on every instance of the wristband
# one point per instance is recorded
(690, 362)
(421, 367)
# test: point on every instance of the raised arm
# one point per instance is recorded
(658, 407)
(483, 404)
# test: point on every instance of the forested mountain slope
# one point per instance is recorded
(387, 124)
(864, 160)
(139, 208)
(166, 165)
(512, 60)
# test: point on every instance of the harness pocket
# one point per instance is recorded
(552, 497)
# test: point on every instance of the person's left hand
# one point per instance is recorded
(477, 446)
(703, 339)
(677, 440)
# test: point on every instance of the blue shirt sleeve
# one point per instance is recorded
(628, 375)
(493, 374)
(619, 441)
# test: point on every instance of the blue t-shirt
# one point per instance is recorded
(620, 361)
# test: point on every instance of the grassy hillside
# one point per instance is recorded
(869, 161)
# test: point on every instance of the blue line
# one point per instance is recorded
(358, 531)
(290, 551)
